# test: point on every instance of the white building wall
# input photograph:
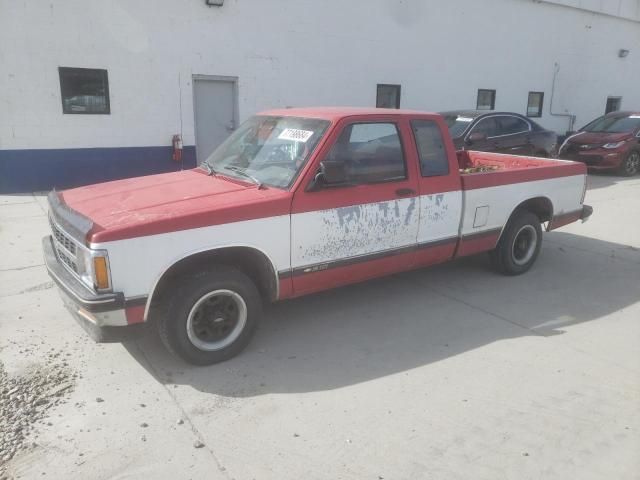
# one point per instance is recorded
(302, 52)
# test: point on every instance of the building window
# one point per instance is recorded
(613, 104)
(534, 105)
(388, 96)
(486, 99)
(84, 90)
(434, 161)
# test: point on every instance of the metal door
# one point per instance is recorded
(214, 106)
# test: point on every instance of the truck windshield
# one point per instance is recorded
(267, 150)
(457, 124)
(614, 124)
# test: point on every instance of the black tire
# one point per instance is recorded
(201, 307)
(631, 165)
(519, 245)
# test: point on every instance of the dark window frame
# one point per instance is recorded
(386, 85)
(67, 111)
(415, 139)
(540, 107)
(402, 150)
(493, 99)
(616, 98)
(478, 121)
(500, 126)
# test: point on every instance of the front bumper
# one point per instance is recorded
(99, 310)
(596, 159)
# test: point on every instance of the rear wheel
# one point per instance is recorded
(631, 165)
(519, 244)
(211, 316)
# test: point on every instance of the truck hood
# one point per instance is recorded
(167, 202)
(592, 138)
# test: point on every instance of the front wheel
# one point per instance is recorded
(631, 165)
(211, 315)
(519, 244)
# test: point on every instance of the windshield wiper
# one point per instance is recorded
(244, 173)
(210, 170)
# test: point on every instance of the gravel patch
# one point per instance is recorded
(25, 399)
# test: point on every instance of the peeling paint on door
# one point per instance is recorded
(439, 216)
(355, 230)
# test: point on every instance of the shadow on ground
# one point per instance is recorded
(606, 179)
(367, 331)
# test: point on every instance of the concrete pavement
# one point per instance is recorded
(451, 372)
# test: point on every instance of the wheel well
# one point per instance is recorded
(250, 261)
(540, 206)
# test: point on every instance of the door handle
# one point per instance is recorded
(405, 192)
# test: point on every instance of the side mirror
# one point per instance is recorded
(476, 137)
(333, 172)
(330, 174)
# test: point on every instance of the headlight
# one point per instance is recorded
(613, 145)
(95, 270)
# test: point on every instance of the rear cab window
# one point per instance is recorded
(431, 148)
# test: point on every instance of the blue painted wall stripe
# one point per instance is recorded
(35, 170)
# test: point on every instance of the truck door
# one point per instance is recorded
(360, 220)
(440, 192)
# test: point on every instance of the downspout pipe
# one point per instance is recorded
(570, 116)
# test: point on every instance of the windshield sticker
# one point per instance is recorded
(464, 119)
(295, 135)
(634, 116)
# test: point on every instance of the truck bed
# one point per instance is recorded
(494, 169)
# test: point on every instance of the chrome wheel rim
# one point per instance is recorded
(216, 320)
(524, 245)
(633, 163)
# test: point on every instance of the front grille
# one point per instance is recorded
(569, 149)
(62, 239)
(64, 258)
(575, 148)
(65, 247)
(586, 159)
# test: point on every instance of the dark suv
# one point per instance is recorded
(611, 142)
(500, 132)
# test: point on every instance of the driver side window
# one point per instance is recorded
(369, 153)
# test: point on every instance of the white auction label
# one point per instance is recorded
(295, 135)
(464, 119)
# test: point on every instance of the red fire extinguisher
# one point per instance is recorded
(176, 142)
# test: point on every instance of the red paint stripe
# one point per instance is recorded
(433, 255)
(368, 270)
(512, 169)
(218, 214)
(339, 276)
(135, 314)
(482, 242)
(286, 288)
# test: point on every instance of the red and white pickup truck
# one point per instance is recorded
(294, 202)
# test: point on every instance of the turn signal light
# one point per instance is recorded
(101, 273)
